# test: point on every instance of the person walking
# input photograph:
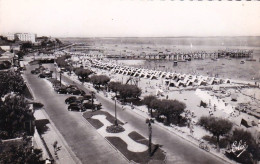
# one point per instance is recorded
(55, 144)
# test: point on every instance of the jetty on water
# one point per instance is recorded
(155, 54)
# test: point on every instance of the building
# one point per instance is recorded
(5, 47)
(10, 36)
(15, 47)
(26, 37)
(7, 56)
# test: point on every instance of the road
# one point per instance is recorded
(82, 138)
(179, 151)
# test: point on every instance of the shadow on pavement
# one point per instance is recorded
(41, 125)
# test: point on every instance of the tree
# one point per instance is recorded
(26, 45)
(99, 80)
(84, 74)
(69, 68)
(11, 82)
(217, 126)
(148, 102)
(61, 61)
(20, 54)
(43, 44)
(58, 41)
(21, 154)
(114, 86)
(5, 65)
(171, 109)
(14, 114)
(253, 150)
(77, 71)
(129, 91)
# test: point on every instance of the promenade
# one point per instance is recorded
(82, 139)
(179, 151)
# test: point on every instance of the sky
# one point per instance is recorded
(130, 18)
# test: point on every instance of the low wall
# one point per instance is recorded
(40, 144)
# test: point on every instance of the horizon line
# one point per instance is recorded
(138, 36)
(152, 36)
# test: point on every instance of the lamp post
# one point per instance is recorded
(60, 77)
(149, 122)
(115, 113)
(92, 100)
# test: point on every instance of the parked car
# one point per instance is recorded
(35, 71)
(89, 105)
(82, 93)
(98, 106)
(70, 99)
(47, 73)
(87, 97)
(75, 107)
(75, 92)
(41, 76)
(61, 90)
(71, 88)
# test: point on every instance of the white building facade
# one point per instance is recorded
(27, 37)
(10, 36)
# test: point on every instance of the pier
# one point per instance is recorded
(182, 56)
(160, 55)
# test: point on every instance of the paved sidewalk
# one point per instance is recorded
(50, 136)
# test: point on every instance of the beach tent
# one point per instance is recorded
(202, 82)
(172, 84)
(163, 75)
(136, 74)
(159, 92)
(227, 81)
(189, 83)
(233, 97)
(153, 77)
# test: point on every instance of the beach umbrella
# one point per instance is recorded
(234, 97)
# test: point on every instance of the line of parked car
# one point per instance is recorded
(43, 72)
(71, 89)
(82, 103)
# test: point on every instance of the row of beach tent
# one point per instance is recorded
(170, 78)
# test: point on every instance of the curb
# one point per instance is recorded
(28, 86)
(71, 153)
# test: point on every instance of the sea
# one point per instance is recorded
(222, 68)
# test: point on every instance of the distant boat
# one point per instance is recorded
(250, 59)
(161, 65)
(242, 62)
(181, 60)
